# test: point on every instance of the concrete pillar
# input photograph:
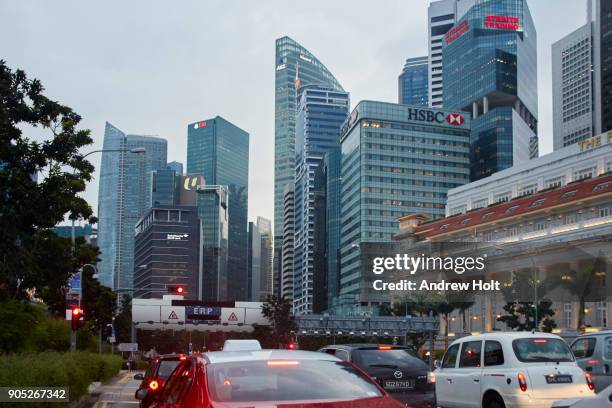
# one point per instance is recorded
(485, 104)
(488, 319)
(474, 110)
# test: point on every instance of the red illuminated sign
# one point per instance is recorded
(502, 22)
(200, 125)
(457, 32)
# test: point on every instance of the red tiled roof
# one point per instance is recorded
(572, 192)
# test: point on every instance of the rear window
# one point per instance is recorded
(584, 348)
(166, 367)
(287, 380)
(395, 357)
(541, 350)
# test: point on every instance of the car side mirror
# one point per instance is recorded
(139, 376)
(437, 364)
(141, 393)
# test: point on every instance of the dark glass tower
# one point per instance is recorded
(290, 54)
(490, 70)
(604, 17)
(413, 82)
(219, 151)
(124, 196)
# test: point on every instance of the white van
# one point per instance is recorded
(509, 369)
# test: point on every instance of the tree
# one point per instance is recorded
(278, 312)
(99, 302)
(29, 208)
(123, 320)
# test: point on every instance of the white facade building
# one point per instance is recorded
(588, 158)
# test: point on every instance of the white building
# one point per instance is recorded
(588, 158)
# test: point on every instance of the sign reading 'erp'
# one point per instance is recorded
(201, 313)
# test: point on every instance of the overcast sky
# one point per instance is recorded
(151, 67)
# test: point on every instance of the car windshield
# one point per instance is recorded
(166, 367)
(377, 357)
(540, 350)
(288, 380)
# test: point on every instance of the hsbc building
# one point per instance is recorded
(396, 160)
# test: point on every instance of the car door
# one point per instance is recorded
(466, 381)
(445, 375)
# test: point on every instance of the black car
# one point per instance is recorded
(397, 369)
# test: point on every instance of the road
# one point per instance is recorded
(119, 392)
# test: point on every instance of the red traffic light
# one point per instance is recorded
(291, 346)
(177, 290)
(180, 289)
(76, 311)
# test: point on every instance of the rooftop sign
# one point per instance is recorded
(502, 22)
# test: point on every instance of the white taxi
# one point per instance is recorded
(509, 369)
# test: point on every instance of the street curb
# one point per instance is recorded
(95, 390)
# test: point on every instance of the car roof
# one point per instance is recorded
(215, 357)
(362, 345)
(506, 336)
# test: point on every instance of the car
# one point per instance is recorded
(155, 377)
(241, 345)
(509, 369)
(593, 352)
(396, 368)
(602, 399)
(267, 378)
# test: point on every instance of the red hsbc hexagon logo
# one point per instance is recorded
(456, 119)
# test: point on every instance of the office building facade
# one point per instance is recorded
(176, 166)
(289, 56)
(286, 275)
(396, 159)
(320, 115)
(254, 263)
(413, 82)
(573, 87)
(603, 65)
(219, 150)
(490, 70)
(265, 231)
(123, 197)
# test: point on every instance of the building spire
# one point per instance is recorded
(298, 81)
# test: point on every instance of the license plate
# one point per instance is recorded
(398, 385)
(558, 379)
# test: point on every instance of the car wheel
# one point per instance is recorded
(495, 402)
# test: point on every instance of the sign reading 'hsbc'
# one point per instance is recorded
(424, 115)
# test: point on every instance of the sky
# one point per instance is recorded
(152, 67)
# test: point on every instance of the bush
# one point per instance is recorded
(52, 369)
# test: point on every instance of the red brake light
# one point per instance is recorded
(522, 381)
(283, 363)
(540, 341)
(385, 347)
(182, 358)
(153, 385)
(589, 380)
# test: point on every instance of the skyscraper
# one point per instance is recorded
(396, 159)
(573, 86)
(320, 114)
(290, 54)
(286, 274)
(413, 83)
(603, 65)
(490, 70)
(124, 195)
(219, 150)
(442, 15)
(264, 226)
(176, 166)
(254, 263)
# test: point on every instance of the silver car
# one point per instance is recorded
(593, 352)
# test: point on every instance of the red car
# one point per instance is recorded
(271, 378)
(155, 377)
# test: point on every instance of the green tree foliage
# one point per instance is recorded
(123, 320)
(278, 312)
(31, 258)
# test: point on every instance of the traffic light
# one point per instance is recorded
(177, 289)
(77, 314)
(291, 346)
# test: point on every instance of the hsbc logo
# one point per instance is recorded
(456, 119)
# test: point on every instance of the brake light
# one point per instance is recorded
(153, 385)
(522, 381)
(385, 347)
(182, 358)
(540, 341)
(589, 380)
(283, 363)
(431, 377)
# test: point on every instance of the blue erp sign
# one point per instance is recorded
(202, 313)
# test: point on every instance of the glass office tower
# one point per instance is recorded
(219, 151)
(396, 160)
(290, 54)
(413, 82)
(165, 187)
(604, 53)
(321, 112)
(490, 70)
(123, 197)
